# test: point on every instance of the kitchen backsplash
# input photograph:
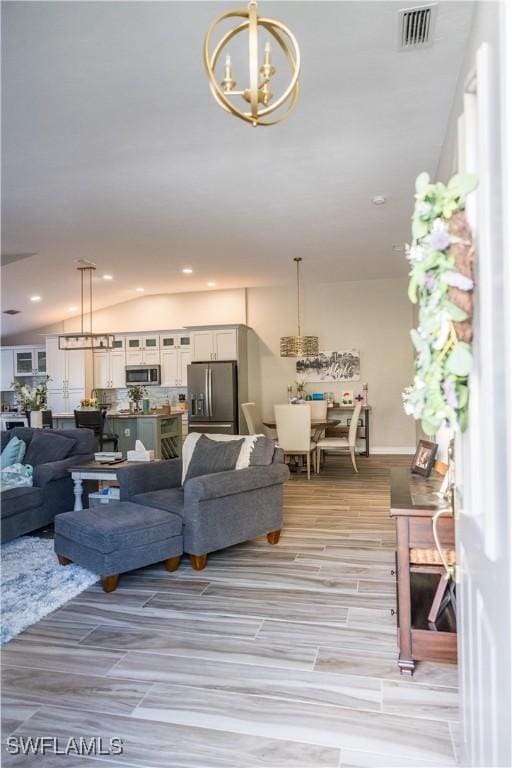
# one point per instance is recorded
(118, 399)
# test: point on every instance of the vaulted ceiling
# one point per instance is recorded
(115, 152)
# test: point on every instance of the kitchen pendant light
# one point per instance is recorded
(299, 346)
(84, 339)
(258, 95)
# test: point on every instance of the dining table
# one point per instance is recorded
(317, 426)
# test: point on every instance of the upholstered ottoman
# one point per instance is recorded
(114, 538)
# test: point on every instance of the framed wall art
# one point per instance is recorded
(343, 365)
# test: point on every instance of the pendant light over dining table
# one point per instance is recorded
(298, 346)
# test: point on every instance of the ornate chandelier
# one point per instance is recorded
(299, 346)
(259, 94)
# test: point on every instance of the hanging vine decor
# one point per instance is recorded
(441, 283)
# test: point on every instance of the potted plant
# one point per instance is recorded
(33, 400)
(136, 393)
(89, 404)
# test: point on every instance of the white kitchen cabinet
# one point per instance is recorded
(7, 373)
(142, 357)
(117, 369)
(109, 369)
(224, 344)
(169, 371)
(150, 357)
(147, 341)
(29, 361)
(151, 342)
(218, 344)
(202, 346)
(174, 367)
(101, 370)
(71, 376)
(118, 343)
(75, 368)
(184, 359)
(133, 343)
(64, 400)
(175, 340)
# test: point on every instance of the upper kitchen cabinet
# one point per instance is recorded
(146, 341)
(175, 340)
(71, 376)
(68, 369)
(119, 343)
(174, 367)
(142, 357)
(7, 372)
(215, 344)
(109, 369)
(143, 349)
(30, 361)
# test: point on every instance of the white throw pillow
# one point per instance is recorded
(244, 457)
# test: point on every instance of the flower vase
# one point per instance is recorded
(36, 419)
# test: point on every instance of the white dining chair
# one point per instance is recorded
(293, 424)
(254, 422)
(318, 410)
(341, 443)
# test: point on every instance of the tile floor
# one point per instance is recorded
(273, 656)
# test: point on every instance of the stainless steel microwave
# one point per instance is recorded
(143, 374)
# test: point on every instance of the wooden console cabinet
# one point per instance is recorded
(413, 504)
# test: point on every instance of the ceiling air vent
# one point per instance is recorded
(12, 311)
(416, 27)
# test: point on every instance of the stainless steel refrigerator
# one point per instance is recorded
(213, 397)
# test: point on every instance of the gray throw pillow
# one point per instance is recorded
(47, 446)
(212, 456)
(262, 452)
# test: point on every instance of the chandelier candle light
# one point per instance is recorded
(299, 346)
(259, 94)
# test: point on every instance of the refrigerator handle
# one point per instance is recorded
(207, 391)
(210, 393)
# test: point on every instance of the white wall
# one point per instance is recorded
(152, 313)
(374, 316)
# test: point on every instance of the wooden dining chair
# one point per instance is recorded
(341, 443)
(293, 425)
(95, 421)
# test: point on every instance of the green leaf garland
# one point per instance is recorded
(439, 393)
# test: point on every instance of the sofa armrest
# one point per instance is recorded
(152, 476)
(57, 470)
(233, 482)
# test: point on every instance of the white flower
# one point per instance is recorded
(416, 253)
(424, 208)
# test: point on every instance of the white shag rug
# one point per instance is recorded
(34, 584)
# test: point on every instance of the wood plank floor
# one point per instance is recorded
(273, 656)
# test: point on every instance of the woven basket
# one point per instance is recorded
(431, 556)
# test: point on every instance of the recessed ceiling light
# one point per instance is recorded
(107, 277)
(140, 289)
(211, 284)
(187, 270)
(72, 309)
(35, 298)
(378, 200)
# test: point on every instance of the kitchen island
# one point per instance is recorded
(161, 432)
